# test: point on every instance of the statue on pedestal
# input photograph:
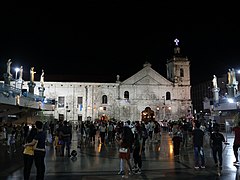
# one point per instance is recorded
(231, 77)
(214, 81)
(32, 72)
(21, 73)
(9, 62)
(118, 77)
(42, 78)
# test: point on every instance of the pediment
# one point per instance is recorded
(147, 80)
(147, 76)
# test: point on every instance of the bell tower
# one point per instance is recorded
(178, 67)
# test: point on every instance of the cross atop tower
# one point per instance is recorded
(176, 42)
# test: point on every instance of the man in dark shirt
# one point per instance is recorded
(216, 141)
(236, 143)
(198, 135)
(66, 135)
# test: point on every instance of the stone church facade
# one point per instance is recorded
(143, 96)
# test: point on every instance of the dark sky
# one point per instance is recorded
(95, 42)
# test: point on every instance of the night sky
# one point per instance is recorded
(95, 42)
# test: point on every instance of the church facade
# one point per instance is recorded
(144, 96)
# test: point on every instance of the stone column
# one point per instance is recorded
(7, 78)
(31, 86)
(41, 91)
(215, 91)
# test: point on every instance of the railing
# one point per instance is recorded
(8, 89)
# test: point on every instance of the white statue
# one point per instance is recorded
(42, 78)
(9, 62)
(229, 76)
(32, 72)
(118, 77)
(233, 76)
(214, 81)
(21, 73)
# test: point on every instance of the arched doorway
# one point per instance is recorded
(147, 114)
(103, 118)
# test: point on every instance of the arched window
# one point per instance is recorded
(168, 96)
(126, 95)
(104, 99)
(181, 72)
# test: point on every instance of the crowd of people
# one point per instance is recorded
(129, 136)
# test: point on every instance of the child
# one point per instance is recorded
(57, 145)
(177, 139)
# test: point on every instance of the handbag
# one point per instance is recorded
(28, 150)
(123, 150)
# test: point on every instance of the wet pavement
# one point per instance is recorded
(96, 161)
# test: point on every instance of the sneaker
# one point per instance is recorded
(125, 177)
(121, 172)
(235, 162)
(130, 173)
(134, 168)
(202, 167)
(196, 167)
(138, 172)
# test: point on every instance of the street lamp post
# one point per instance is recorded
(16, 70)
(66, 111)
(158, 114)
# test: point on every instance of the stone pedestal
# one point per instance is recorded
(31, 86)
(41, 91)
(19, 84)
(232, 90)
(7, 78)
(215, 95)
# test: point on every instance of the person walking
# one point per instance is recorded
(198, 135)
(137, 151)
(39, 150)
(216, 141)
(66, 136)
(184, 129)
(119, 129)
(125, 143)
(236, 143)
(177, 139)
(28, 154)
